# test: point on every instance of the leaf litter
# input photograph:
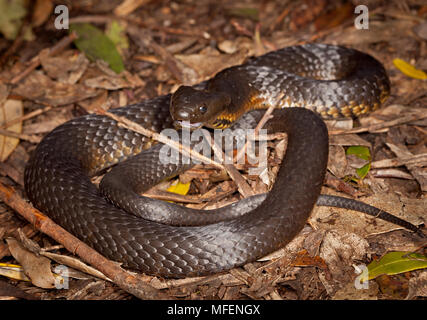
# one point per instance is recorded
(158, 44)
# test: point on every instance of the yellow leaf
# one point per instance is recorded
(409, 69)
(179, 188)
(395, 263)
(13, 271)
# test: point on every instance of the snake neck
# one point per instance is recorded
(243, 97)
(226, 118)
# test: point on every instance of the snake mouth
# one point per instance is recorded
(187, 124)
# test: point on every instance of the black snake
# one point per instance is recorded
(330, 80)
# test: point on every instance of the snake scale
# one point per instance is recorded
(333, 81)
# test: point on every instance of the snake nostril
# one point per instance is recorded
(183, 115)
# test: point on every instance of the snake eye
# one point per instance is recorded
(203, 108)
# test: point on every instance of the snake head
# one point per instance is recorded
(193, 108)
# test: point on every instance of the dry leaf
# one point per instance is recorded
(350, 292)
(379, 31)
(303, 259)
(339, 250)
(41, 12)
(390, 112)
(40, 88)
(348, 140)
(305, 13)
(344, 124)
(35, 267)
(107, 82)
(207, 65)
(10, 110)
(337, 163)
(236, 45)
(92, 104)
(418, 285)
(128, 6)
(8, 290)
(335, 17)
(110, 82)
(67, 67)
(74, 263)
(421, 30)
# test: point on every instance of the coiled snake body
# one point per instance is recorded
(57, 178)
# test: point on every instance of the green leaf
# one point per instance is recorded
(116, 32)
(96, 45)
(11, 15)
(360, 152)
(395, 263)
(249, 13)
(362, 172)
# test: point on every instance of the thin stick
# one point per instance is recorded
(170, 196)
(382, 125)
(146, 40)
(243, 187)
(35, 62)
(418, 160)
(264, 119)
(159, 137)
(112, 270)
(20, 136)
(25, 117)
(103, 19)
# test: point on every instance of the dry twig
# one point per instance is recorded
(112, 270)
(378, 126)
(264, 119)
(21, 136)
(234, 174)
(35, 62)
(130, 125)
(25, 117)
